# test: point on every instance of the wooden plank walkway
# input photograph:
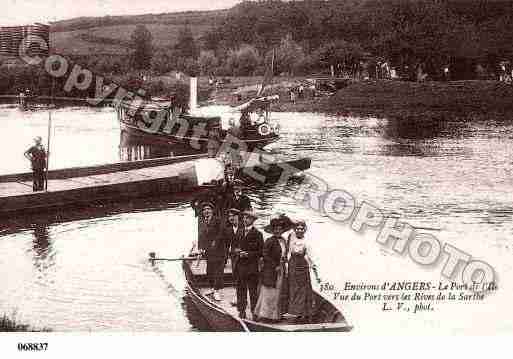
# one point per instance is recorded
(16, 196)
(111, 182)
(55, 185)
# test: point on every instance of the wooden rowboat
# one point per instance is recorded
(222, 316)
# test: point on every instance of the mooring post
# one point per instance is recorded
(193, 100)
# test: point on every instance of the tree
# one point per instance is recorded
(340, 52)
(244, 61)
(208, 62)
(186, 45)
(162, 63)
(419, 34)
(288, 55)
(141, 42)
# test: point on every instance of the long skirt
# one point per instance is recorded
(300, 287)
(268, 304)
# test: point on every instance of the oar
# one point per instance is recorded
(153, 258)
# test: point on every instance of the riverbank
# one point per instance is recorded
(456, 100)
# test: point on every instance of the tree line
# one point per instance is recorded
(407, 33)
(313, 36)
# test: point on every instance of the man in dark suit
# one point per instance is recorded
(247, 252)
(232, 233)
(233, 230)
(236, 199)
(211, 244)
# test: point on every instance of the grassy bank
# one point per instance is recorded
(9, 324)
(457, 100)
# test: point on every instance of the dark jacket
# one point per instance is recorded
(243, 203)
(210, 239)
(272, 259)
(253, 243)
(230, 238)
(223, 198)
(226, 200)
(38, 157)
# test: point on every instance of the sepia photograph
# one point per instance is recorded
(256, 166)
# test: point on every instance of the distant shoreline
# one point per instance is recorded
(454, 100)
(399, 100)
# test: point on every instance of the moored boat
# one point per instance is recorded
(162, 122)
(222, 316)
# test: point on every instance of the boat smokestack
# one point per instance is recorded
(193, 100)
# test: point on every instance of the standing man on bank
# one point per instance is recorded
(38, 159)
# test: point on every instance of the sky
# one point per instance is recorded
(22, 12)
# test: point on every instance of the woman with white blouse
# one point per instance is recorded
(299, 264)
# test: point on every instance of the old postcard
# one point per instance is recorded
(240, 166)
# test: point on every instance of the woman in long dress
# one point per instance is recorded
(300, 287)
(269, 306)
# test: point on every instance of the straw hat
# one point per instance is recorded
(281, 220)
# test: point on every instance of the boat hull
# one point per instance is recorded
(188, 144)
(216, 318)
(221, 319)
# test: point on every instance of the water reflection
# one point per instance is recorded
(43, 252)
(135, 148)
(143, 147)
(41, 242)
(421, 148)
(39, 224)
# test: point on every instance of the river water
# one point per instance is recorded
(86, 269)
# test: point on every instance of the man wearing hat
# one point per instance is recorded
(232, 233)
(211, 243)
(247, 252)
(234, 197)
(233, 230)
(37, 157)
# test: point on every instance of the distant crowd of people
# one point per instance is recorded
(275, 272)
(297, 92)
